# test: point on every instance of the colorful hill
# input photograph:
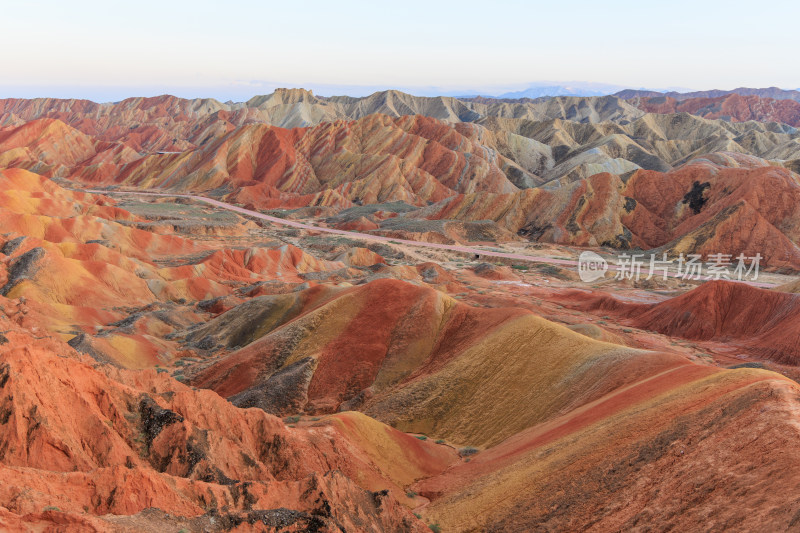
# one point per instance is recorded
(763, 323)
(421, 361)
(168, 123)
(50, 147)
(675, 450)
(767, 92)
(561, 181)
(767, 321)
(154, 442)
(110, 272)
(733, 107)
(540, 404)
(721, 202)
(376, 159)
(169, 365)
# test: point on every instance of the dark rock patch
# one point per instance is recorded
(11, 246)
(83, 344)
(154, 418)
(695, 197)
(283, 393)
(24, 267)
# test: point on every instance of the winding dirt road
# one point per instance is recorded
(367, 236)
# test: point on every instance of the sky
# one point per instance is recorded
(108, 50)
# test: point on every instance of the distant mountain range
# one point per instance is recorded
(561, 90)
(770, 92)
(581, 171)
(549, 90)
(589, 89)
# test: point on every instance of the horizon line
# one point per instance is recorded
(454, 93)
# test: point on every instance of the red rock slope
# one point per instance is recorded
(652, 438)
(80, 442)
(761, 322)
(720, 203)
(733, 107)
(375, 159)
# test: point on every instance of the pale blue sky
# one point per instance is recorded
(110, 49)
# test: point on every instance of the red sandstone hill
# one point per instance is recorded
(732, 107)
(328, 350)
(762, 322)
(82, 445)
(108, 269)
(168, 123)
(413, 159)
(623, 421)
(402, 399)
(720, 203)
(51, 148)
(767, 321)
(163, 123)
(376, 159)
(728, 202)
(90, 446)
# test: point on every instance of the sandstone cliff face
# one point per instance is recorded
(90, 440)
